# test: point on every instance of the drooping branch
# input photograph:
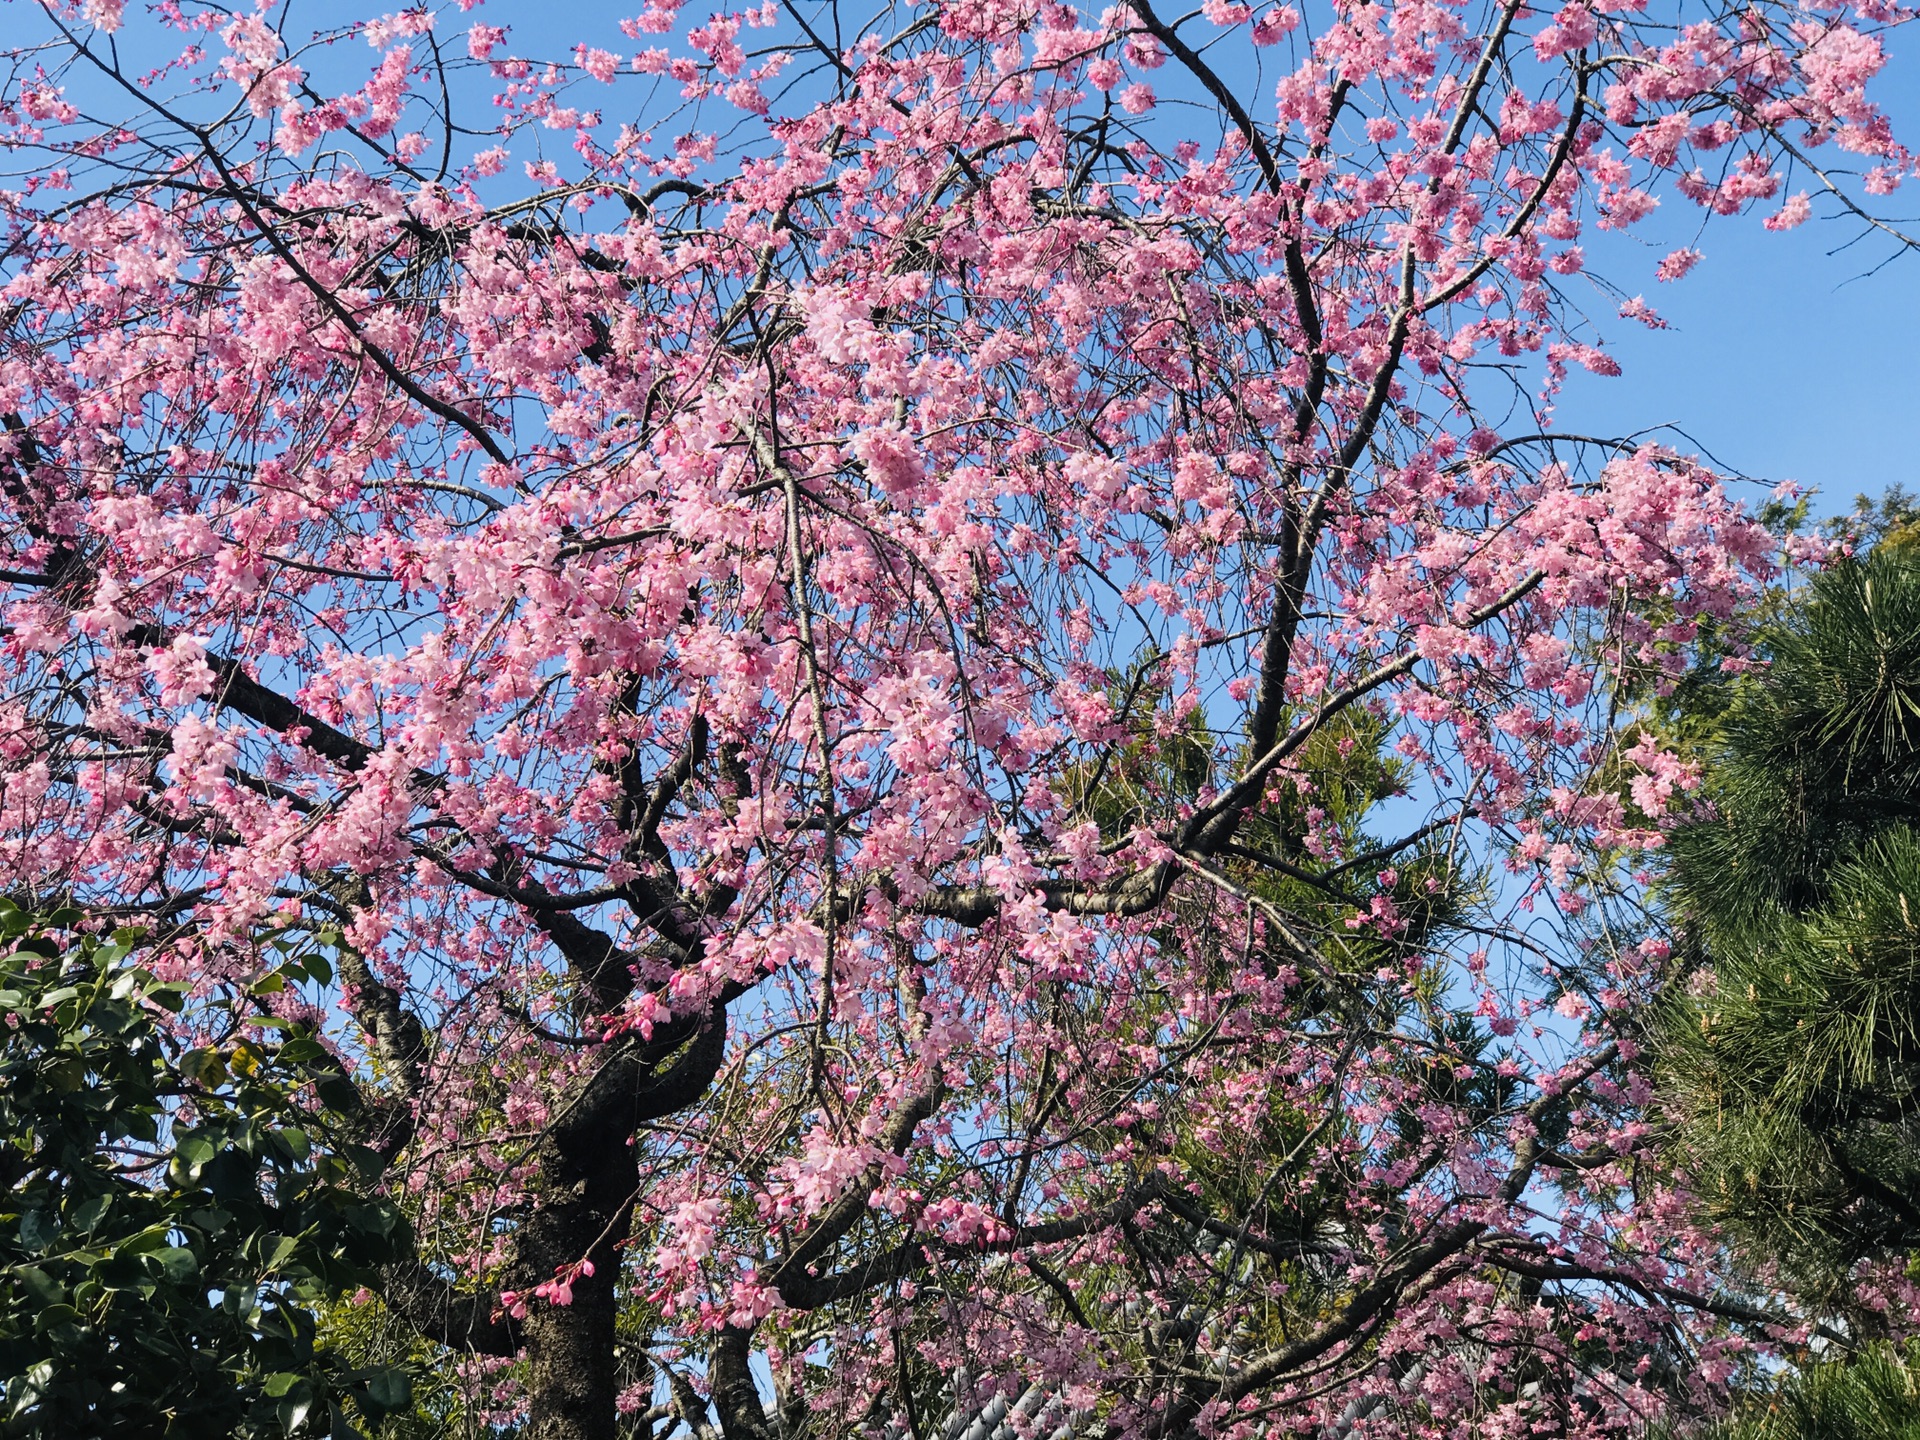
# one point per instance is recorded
(1212, 824)
(909, 1258)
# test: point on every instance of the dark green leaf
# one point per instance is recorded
(177, 1263)
(294, 1406)
(389, 1389)
(38, 1229)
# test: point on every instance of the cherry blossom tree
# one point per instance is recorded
(953, 727)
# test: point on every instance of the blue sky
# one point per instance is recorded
(1784, 360)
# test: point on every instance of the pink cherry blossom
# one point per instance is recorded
(795, 608)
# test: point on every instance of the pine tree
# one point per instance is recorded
(1792, 1057)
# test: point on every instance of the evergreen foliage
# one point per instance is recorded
(1793, 1056)
(173, 1215)
(1872, 1396)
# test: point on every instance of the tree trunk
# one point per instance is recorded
(735, 1398)
(589, 1180)
(585, 1211)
